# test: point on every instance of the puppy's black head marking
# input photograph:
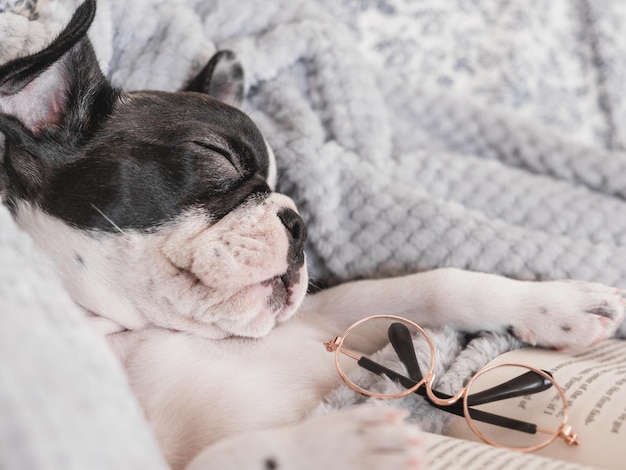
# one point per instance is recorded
(101, 159)
(171, 153)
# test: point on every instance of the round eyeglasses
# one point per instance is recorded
(497, 402)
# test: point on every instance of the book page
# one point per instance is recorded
(445, 453)
(594, 382)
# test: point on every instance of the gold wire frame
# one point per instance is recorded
(563, 431)
(336, 346)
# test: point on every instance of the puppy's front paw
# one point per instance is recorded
(364, 437)
(563, 314)
(380, 438)
(360, 438)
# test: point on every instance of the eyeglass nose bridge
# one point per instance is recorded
(429, 383)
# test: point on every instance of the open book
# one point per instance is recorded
(594, 382)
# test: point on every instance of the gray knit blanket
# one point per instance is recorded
(487, 135)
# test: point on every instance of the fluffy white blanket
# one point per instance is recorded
(486, 135)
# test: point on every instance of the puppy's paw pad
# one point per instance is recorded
(570, 313)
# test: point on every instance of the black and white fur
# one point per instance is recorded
(158, 211)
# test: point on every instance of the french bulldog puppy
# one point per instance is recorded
(159, 213)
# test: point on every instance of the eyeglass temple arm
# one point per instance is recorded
(402, 342)
(456, 408)
(525, 384)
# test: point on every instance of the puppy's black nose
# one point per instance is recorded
(296, 228)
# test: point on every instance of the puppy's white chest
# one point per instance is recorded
(227, 386)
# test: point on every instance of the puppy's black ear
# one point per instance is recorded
(222, 78)
(50, 103)
(60, 87)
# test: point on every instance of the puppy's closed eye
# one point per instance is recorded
(218, 150)
(223, 156)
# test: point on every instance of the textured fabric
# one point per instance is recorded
(446, 173)
(481, 137)
(26, 8)
(486, 135)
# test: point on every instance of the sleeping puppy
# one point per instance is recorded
(158, 211)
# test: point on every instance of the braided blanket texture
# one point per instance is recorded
(488, 135)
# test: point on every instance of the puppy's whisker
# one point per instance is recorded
(251, 112)
(108, 219)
